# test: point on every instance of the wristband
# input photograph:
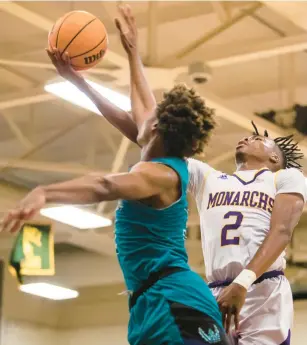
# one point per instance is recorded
(245, 278)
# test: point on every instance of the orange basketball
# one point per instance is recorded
(82, 35)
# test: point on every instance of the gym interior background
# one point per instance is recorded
(248, 59)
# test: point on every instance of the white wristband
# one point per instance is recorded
(245, 278)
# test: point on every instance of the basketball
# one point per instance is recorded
(82, 35)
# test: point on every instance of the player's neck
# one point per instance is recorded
(250, 165)
(154, 149)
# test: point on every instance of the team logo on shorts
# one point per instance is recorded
(212, 337)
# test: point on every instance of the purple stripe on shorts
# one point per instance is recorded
(287, 341)
(266, 275)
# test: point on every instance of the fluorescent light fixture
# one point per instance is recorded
(49, 291)
(72, 94)
(76, 217)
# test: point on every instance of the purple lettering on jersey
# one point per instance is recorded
(234, 226)
(271, 204)
(236, 200)
(220, 199)
(228, 198)
(253, 203)
(212, 200)
(244, 201)
(263, 201)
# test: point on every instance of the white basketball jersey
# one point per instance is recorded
(235, 213)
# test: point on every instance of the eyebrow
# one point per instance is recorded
(257, 136)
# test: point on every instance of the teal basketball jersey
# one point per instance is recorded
(148, 240)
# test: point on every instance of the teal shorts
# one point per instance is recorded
(155, 320)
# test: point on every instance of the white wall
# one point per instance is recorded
(114, 335)
(299, 334)
(22, 333)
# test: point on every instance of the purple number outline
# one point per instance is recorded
(235, 226)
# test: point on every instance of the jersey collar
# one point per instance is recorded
(257, 173)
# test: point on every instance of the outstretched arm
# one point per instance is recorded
(119, 118)
(146, 179)
(142, 98)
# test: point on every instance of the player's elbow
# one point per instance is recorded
(100, 186)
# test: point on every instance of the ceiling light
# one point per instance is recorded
(76, 217)
(72, 94)
(49, 291)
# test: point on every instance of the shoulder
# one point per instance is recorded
(290, 174)
(156, 173)
(291, 181)
(197, 167)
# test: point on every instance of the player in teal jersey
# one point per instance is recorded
(169, 304)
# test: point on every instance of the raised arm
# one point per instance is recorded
(142, 98)
(145, 180)
(117, 117)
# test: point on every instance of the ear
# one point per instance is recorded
(274, 158)
(154, 125)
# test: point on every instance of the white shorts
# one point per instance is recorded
(267, 315)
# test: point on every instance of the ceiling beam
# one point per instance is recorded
(221, 10)
(26, 100)
(223, 55)
(17, 132)
(219, 56)
(294, 11)
(47, 141)
(45, 24)
(49, 66)
(42, 166)
(209, 35)
(15, 79)
(26, 15)
(243, 119)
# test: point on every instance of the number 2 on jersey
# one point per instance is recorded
(238, 217)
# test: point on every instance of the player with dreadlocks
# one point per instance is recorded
(246, 218)
(289, 149)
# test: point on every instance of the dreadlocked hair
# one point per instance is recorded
(184, 121)
(288, 147)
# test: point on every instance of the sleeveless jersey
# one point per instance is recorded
(149, 239)
(235, 214)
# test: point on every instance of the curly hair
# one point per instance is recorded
(289, 149)
(184, 122)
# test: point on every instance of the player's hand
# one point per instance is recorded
(63, 65)
(26, 210)
(231, 301)
(129, 37)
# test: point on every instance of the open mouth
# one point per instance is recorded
(240, 145)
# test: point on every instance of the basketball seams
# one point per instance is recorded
(57, 36)
(69, 43)
(73, 30)
(90, 49)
